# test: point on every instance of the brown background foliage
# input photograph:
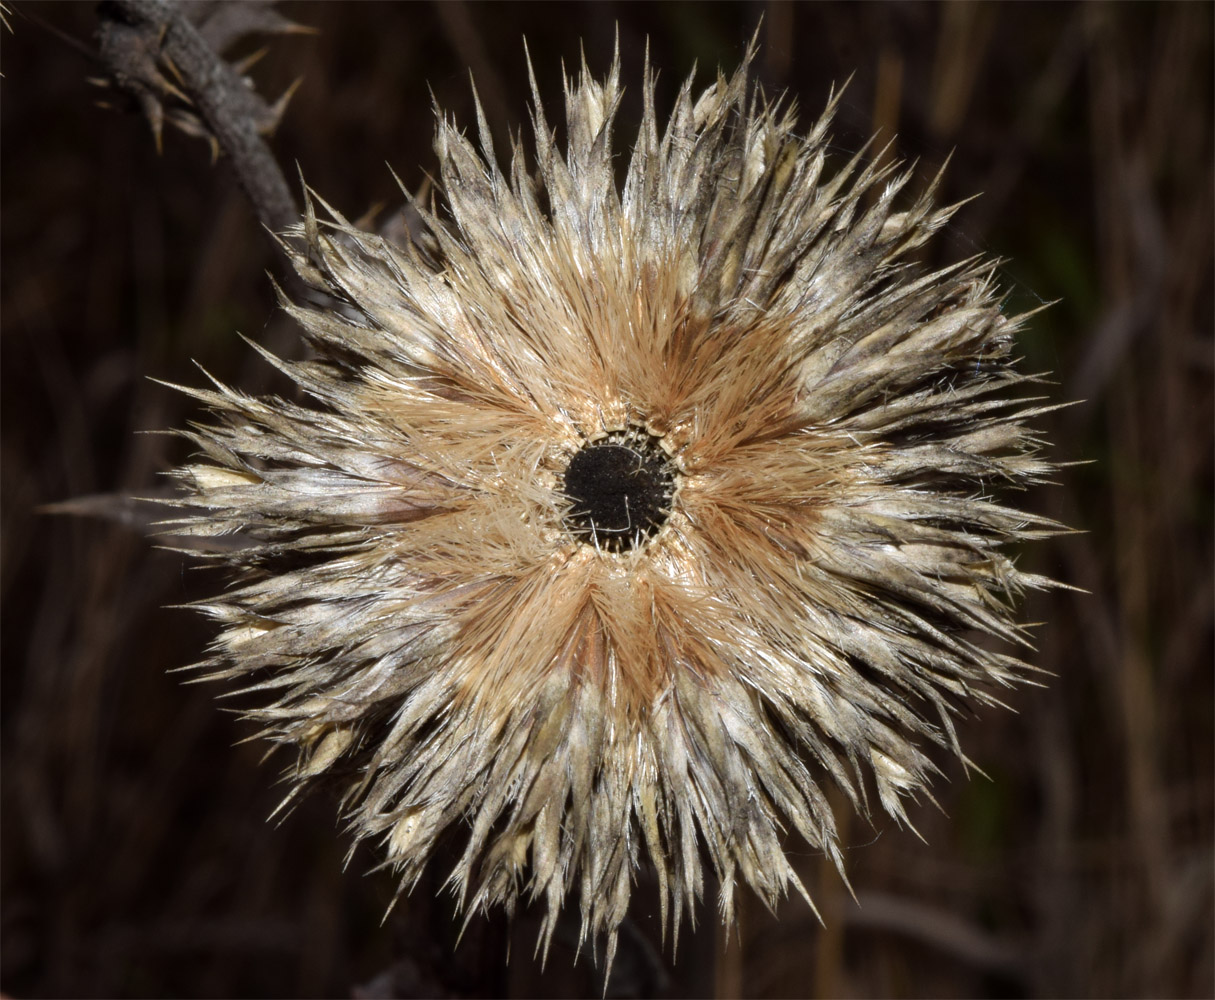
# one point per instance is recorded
(136, 856)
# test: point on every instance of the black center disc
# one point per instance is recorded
(620, 490)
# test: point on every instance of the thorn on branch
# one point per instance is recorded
(142, 40)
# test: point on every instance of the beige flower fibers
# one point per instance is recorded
(620, 519)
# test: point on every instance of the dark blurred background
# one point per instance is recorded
(136, 856)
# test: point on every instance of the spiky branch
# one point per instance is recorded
(140, 38)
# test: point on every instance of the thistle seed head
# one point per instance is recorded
(622, 519)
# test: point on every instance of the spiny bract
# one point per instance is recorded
(624, 517)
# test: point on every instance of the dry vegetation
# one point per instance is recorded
(136, 859)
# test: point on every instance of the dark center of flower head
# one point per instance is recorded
(620, 489)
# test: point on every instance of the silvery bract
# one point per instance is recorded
(622, 518)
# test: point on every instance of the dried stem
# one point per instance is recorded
(137, 34)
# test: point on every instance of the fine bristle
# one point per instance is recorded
(438, 592)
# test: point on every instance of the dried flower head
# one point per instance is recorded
(623, 518)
